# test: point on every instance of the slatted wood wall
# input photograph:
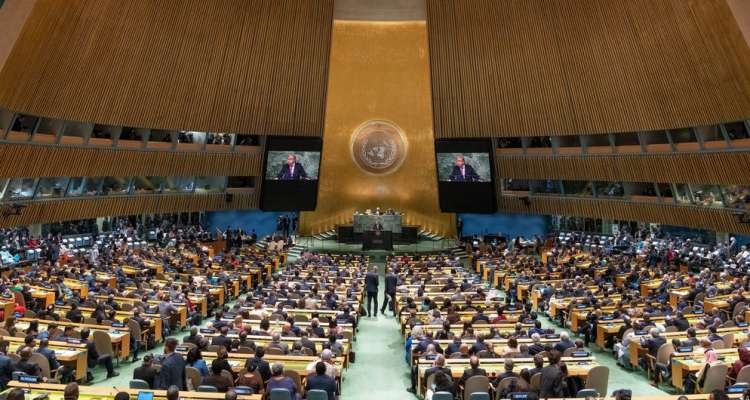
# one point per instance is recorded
(697, 217)
(243, 66)
(29, 160)
(709, 168)
(72, 209)
(541, 67)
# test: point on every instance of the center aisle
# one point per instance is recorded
(380, 367)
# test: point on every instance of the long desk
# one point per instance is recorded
(576, 366)
(636, 349)
(69, 354)
(55, 392)
(120, 336)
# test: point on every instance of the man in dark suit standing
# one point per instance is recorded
(389, 299)
(291, 171)
(377, 226)
(371, 284)
(172, 370)
(463, 172)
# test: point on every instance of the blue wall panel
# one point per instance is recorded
(264, 223)
(508, 224)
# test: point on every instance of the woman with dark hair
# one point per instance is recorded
(33, 328)
(195, 359)
(251, 379)
(552, 382)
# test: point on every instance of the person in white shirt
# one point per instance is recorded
(326, 356)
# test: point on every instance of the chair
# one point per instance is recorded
(296, 378)
(536, 382)
(29, 314)
(476, 384)
(716, 377)
(728, 340)
(744, 375)
(207, 388)
(583, 393)
(442, 396)
(738, 308)
(90, 321)
(301, 318)
(274, 351)
(457, 354)
(317, 394)
(569, 351)
(139, 384)
(135, 331)
(43, 364)
(244, 390)
(504, 385)
(192, 377)
(103, 344)
(307, 351)
(248, 350)
(214, 348)
(484, 354)
(717, 344)
(671, 328)
(280, 394)
(598, 379)
(188, 345)
(660, 361)
(227, 375)
(479, 396)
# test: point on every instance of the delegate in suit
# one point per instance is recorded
(389, 300)
(371, 285)
(463, 172)
(291, 171)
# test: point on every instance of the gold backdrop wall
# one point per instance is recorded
(378, 71)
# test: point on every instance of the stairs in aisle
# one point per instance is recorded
(295, 252)
(427, 235)
(329, 235)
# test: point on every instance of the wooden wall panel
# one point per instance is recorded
(71, 209)
(222, 65)
(28, 160)
(540, 67)
(709, 168)
(690, 216)
(379, 71)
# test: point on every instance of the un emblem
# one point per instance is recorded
(378, 147)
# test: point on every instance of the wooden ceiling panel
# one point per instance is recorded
(226, 65)
(540, 67)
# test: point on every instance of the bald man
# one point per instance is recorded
(463, 172)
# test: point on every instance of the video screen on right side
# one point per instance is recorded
(465, 176)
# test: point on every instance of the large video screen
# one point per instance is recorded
(464, 167)
(465, 175)
(290, 177)
(292, 165)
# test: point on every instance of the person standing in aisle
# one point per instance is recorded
(371, 284)
(389, 298)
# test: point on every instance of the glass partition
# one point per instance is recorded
(20, 188)
(51, 187)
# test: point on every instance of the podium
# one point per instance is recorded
(377, 240)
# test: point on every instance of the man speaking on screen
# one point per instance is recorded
(463, 172)
(291, 171)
